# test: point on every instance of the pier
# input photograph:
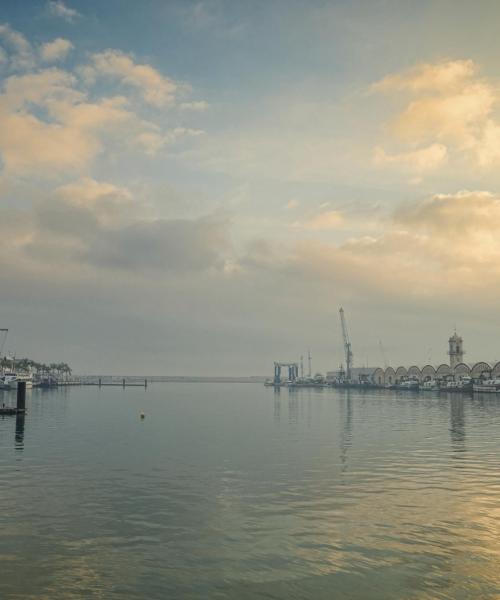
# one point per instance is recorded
(123, 382)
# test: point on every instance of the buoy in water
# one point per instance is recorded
(143, 415)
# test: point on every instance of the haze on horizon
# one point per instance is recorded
(196, 187)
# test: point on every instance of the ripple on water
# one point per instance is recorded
(229, 491)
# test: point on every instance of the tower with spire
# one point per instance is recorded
(456, 350)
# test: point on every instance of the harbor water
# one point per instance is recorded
(236, 491)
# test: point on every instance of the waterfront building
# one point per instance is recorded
(456, 350)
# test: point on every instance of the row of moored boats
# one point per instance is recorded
(465, 384)
(10, 379)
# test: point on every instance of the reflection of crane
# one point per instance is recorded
(347, 346)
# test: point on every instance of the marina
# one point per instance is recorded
(455, 376)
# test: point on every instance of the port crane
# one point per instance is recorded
(347, 346)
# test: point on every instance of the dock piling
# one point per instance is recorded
(21, 396)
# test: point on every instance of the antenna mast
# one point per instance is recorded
(4, 339)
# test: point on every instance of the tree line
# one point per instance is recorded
(27, 365)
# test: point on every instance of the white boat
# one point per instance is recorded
(9, 380)
(491, 386)
(430, 386)
(409, 384)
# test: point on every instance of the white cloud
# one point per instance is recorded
(69, 138)
(450, 116)
(21, 55)
(323, 221)
(155, 88)
(56, 50)
(57, 8)
(419, 161)
(50, 126)
(445, 75)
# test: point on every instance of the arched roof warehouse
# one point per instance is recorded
(378, 376)
(495, 372)
(443, 370)
(462, 369)
(390, 376)
(400, 373)
(480, 368)
(428, 372)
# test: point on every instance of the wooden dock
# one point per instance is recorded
(11, 410)
(123, 383)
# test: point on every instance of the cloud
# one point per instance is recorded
(443, 76)
(323, 221)
(21, 55)
(57, 8)
(155, 89)
(53, 123)
(153, 142)
(419, 161)
(69, 138)
(198, 105)
(449, 117)
(442, 245)
(175, 245)
(90, 224)
(56, 50)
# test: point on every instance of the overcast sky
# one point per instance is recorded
(196, 187)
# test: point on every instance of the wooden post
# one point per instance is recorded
(100, 382)
(21, 396)
(124, 382)
(145, 383)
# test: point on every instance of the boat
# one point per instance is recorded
(409, 384)
(9, 380)
(430, 386)
(490, 386)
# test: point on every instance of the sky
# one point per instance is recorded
(197, 187)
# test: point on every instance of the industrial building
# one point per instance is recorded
(454, 370)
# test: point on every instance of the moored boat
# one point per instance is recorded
(490, 386)
(430, 386)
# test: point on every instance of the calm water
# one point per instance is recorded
(234, 491)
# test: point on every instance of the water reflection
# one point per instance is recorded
(19, 437)
(293, 406)
(277, 404)
(457, 424)
(346, 432)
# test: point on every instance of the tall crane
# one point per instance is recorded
(347, 346)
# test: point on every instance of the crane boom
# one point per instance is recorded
(347, 345)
